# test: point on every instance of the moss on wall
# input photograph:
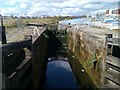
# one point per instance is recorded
(89, 51)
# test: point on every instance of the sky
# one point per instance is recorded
(55, 7)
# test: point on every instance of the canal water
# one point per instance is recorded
(76, 21)
(59, 75)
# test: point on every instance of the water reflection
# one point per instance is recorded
(59, 75)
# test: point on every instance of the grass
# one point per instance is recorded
(15, 23)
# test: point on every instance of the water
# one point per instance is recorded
(76, 21)
(59, 75)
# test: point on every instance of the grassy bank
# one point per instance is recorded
(21, 23)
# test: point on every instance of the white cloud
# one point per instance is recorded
(11, 2)
(23, 5)
(9, 10)
(94, 6)
(55, 7)
(88, 6)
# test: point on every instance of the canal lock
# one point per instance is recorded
(60, 56)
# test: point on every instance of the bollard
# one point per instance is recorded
(1, 20)
(2, 35)
(2, 32)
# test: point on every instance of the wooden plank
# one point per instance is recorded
(115, 44)
(12, 75)
(113, 60)
(19, 79)
(114, 41)
(15, 46)
(24, 62)
(113, 67)
(35, 24)
(111, 78)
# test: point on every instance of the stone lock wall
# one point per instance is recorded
(90, 51)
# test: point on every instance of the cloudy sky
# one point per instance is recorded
(55, 7)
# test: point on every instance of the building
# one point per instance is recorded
(118, 11)
(114, 13)
(107, 11)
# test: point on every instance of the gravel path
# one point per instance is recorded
(17, 35)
